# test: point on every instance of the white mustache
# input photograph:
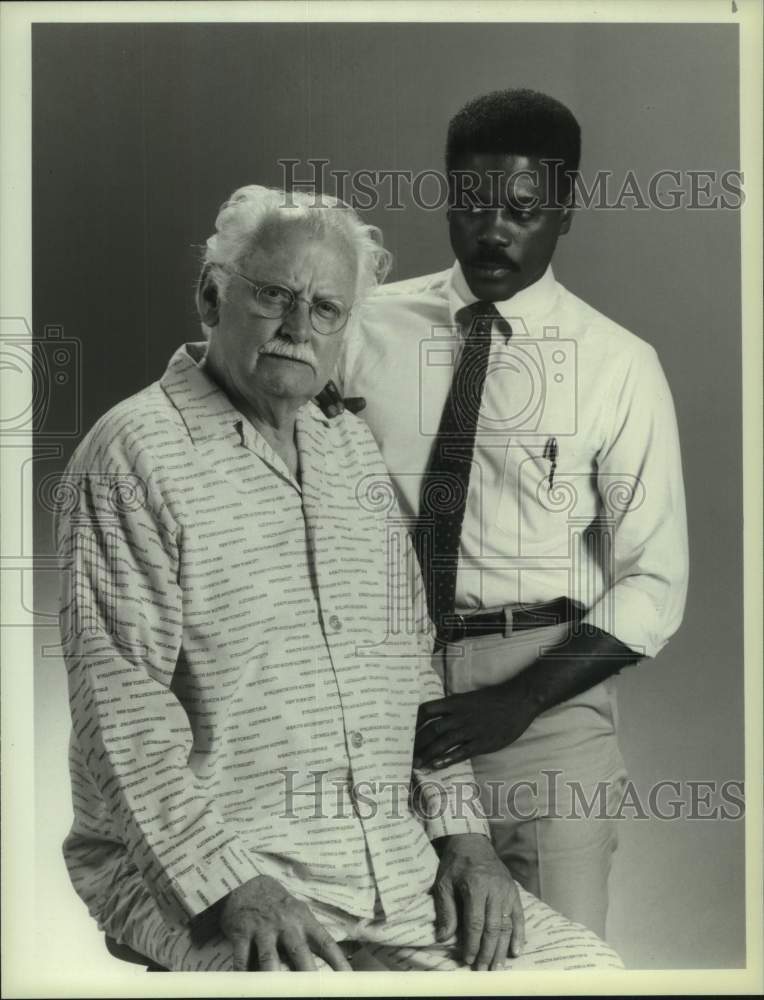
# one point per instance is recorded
(292, 352)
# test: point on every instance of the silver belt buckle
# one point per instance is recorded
(457, 630)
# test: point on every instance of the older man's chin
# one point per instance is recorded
(290, 377)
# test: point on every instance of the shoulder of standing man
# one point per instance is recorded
(420, 284)
(388, 324)
(579, 318)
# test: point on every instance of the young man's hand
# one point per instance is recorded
(460, 726)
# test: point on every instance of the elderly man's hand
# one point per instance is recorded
(263, 922)
(475, 894)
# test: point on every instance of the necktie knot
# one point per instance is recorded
(478, 318)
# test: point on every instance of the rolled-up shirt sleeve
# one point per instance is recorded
(121, 625)
(639, 477)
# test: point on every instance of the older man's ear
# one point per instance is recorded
(208, 299)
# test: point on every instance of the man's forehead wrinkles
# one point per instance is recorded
(298, 274)
(295, 280)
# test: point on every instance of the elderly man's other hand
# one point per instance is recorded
(264, 922)
(475, 894)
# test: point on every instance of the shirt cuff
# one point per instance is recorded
(183, 891)
(630, 616)
(448, 807)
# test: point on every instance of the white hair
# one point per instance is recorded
(243, 215)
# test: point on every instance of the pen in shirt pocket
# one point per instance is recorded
(550, 452)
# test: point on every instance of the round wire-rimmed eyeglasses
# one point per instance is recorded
(327, 316)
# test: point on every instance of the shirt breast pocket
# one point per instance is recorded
(544, 477)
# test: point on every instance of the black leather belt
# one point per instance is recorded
(511, 619)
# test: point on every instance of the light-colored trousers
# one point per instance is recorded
(406, 943)
(546, 793)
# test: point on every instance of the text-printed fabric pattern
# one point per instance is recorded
(405, 942)
(244, 664)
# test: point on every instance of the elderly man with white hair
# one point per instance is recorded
(246, 658)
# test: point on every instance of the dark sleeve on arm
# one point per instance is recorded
(586, 657)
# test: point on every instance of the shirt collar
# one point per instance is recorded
(206, 410)
(529, 304)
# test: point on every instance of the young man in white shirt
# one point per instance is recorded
(560, 555)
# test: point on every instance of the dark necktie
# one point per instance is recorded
(443, 495)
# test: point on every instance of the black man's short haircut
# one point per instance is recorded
(519, 122)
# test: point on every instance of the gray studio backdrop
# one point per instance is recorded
(141, 131)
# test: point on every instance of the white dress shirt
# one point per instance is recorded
(245, 664)
(609, 529)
